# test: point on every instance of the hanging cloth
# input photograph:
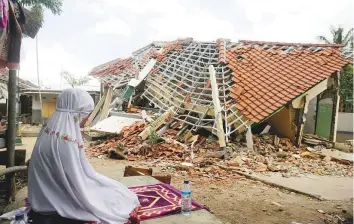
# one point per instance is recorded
(3, 48)
(16, 16)
(4, 13)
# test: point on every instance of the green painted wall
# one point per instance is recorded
(324, 119)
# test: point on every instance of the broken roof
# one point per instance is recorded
(118, 72)
(268, 75)
(23, 84)
(254, 78)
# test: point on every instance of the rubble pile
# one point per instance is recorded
(129, 144)
(275, 154)
(198, 156)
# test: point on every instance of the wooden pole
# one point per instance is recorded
(217, 107)
(11, 132)
(39, 83)
(335, 108)
(301, 125)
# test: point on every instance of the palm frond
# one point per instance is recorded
(54, 6)
(333, 30)
(339, 36)
(322, 38)
(348, 39)
(34, 21)
(72, 80)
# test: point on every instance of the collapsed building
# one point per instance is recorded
(227, 87)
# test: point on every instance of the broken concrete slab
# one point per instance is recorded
(338, 154)
(327, 187)
(114, 124)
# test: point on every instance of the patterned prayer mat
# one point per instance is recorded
(159, 200)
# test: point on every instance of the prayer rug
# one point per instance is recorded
(159, 200)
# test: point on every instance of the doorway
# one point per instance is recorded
(324, 117)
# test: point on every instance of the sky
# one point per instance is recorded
(91, 32)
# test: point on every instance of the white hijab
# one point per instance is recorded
(60, 177)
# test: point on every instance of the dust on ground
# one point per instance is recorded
(241, 200)
(238, 201)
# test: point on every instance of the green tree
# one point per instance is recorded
(346, 79)
(34, 16)
(74, 81)
(339, 37)
(346, 89)
(53, 5)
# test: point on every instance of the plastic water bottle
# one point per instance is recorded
(19, 218)
(186, 196)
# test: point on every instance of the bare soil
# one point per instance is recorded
(238, 201)
(241, 200)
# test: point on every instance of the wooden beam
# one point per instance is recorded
(96, 110)
(217, 106)
(153, 126)
(299, 102)
(303, 120)
(107, 102)
(335, 108)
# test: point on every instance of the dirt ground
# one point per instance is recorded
(243, 201)
(240, 200)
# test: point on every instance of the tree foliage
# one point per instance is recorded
(339, 37)
(74, 81)
(346, 89)
(346, 79)
(54, 6)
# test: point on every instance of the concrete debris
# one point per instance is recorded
(286, 175)
(153, 126)
(237, 161)
(207, 162)
(114, 124)
(276, 204)
(321, 211)
(129, 144)
(317, 141)
(266, 130)
(217, 154)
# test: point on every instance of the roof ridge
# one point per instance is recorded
(289, 43)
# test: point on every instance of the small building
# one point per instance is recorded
(31, 105)
(22, 84)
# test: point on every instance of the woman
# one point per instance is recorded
(61, 180)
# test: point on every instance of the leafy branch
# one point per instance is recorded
(73, 81)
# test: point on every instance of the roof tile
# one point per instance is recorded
(271, 78)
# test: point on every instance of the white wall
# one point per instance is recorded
(52, 98)
(36, 104)
(345, 122)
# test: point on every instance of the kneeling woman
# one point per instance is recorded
(62, 181)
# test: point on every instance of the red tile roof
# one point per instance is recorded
(249, 42)
(265, 75)
(174, 46)
(23, 84)
(114, 67)
(221, 46)
(267, 79)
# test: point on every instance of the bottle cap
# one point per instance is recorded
(19, 215)
(186, 181)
